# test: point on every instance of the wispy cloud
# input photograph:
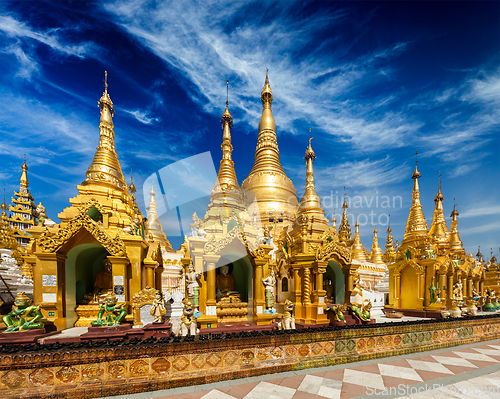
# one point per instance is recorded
(206, 50)
(482, 210)
(141, 116)
(16, 29)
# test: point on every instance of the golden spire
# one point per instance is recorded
(416, 226)
(439, 230)
(105, 169)
(24, 175)
(334, 221)
(4, 207)
(456, 246)
(310, 202)
(153, 225)
(345, 228)
(376, 253)
(390, 252)
(358, 251)
(226, 177)
(267, 180)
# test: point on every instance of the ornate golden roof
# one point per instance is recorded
(105, 169)
(416, 226)
(376, 254)
(267, 180)
(345, 228)
(358, 251)
(439, 230)
(310, 202)
(153, 225)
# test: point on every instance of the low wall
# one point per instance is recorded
(89, 372)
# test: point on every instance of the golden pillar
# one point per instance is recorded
(150, 266)
(449, 290)
(319, 293)
(397, 286)
(421, 288)
(119, 270)
(211, 279)
(158, 275)
(442, 284)
(49, 282)
(306, 286)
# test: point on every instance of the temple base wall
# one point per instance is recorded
(109, 371)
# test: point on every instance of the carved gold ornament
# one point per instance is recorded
(51, 242)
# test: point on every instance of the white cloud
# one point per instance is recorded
(141, 116)
(15, 29)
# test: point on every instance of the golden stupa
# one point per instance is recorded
(273, 190)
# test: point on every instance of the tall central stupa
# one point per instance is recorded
(273, 190)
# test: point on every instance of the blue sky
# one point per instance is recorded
(373, 80)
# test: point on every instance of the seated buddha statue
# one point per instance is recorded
(103, 284)
(225, 284)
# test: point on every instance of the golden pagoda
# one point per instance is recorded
(376, 255)
(345, 228)
(416, 226)
(227, 236)
(8, 239)
(22, 210)
(456, 246)
(273, 190)
(358, 251)
(102, 224)
(439, 229)
(154, 230)
(425, 268)
(390, 251)
(303, 242)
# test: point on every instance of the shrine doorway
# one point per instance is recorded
(82, 265)
(409, 291)
(334, 282)
(241, 269)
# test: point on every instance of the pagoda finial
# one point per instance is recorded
(334, 220)
(226, 116)
(105, 169)
(4, 205)
(345, 228)
(358, 251)
(310, 203)
(416, 226)
(24, 174)
(376, 254)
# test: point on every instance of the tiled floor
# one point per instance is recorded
(469, 371)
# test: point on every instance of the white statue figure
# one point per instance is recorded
(188, 322)
(269, 282)
(158, 310)
(288, 321)
(196, 227)
(193, 286)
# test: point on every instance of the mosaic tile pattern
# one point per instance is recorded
(124, 370)
(376, 379)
